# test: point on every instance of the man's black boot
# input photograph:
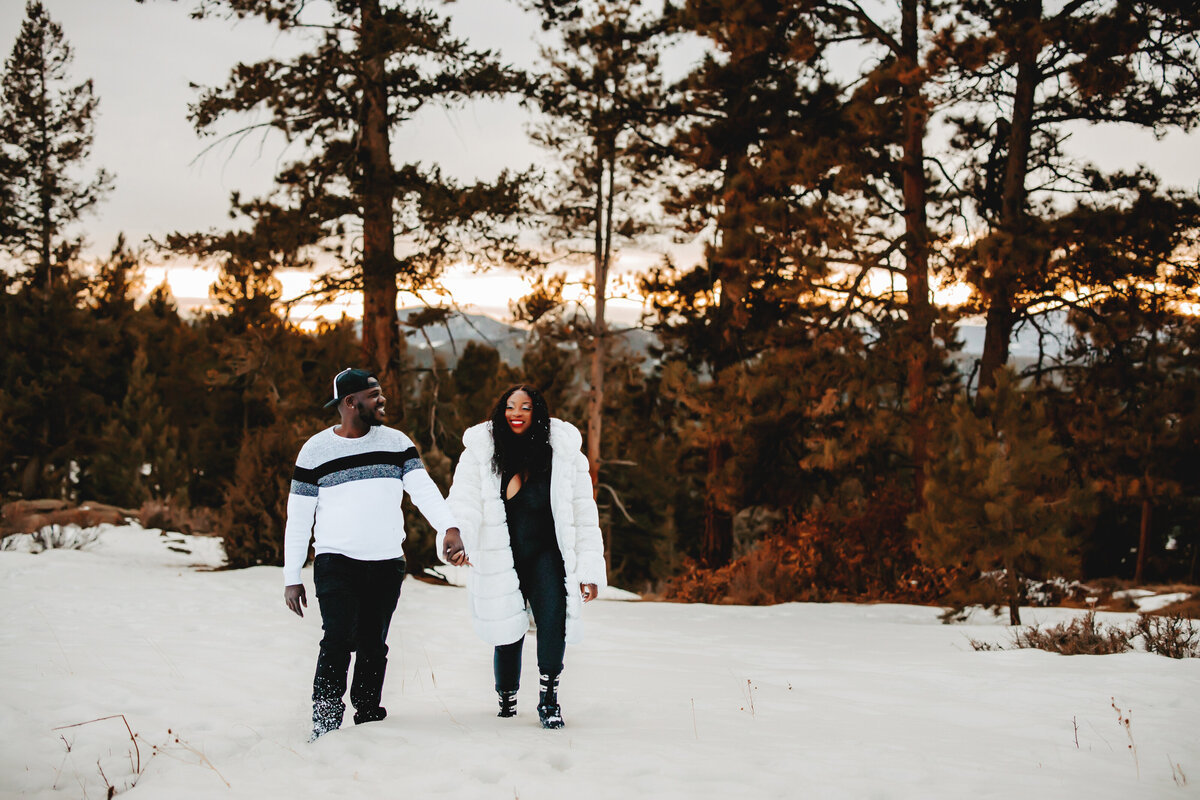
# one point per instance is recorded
(369, 715)
(327, 716)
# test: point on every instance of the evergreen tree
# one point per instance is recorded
(46, 131)
(117, 282)
(602, 96)
(138, 455)
(52, 373)
(480, 377)
(254, 512)
(640, 491)
(373, 65)
(1133, 380)
(884, 185)
(998, 493)
(1026, 71)
(751, 107)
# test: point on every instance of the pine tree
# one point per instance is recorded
(372, 67)
(1025, 72)
(884, 182)
(999, 495)
(479, 378)
(1132, 384)
(640, 490)
(46, 132)
(53, 366)
(750, 108)
(254, 513)
(603, 102)
(138, 453)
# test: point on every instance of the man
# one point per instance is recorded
(346, 491)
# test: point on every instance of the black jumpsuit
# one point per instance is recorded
(539, 566)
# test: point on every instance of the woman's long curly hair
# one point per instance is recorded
(527, 453)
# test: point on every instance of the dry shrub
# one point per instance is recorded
(28, 516)
(173, 516)
(1082, 636)
(1169, 635)
(868, 556)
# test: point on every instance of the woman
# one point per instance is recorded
(530, 531)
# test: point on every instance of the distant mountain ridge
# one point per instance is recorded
(509, 340)
(449, 339)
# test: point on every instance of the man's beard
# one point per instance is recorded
(368, 417)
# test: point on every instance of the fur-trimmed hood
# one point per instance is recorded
(564, 438)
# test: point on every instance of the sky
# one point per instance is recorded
(144, 58)
(671, 701)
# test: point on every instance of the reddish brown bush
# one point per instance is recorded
(868, 556)
(27, 516)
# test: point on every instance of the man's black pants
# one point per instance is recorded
(357, 599)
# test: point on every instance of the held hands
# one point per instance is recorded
(294, 597)
(453, 550)
(589, 591)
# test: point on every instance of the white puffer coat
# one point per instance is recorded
(497, 607)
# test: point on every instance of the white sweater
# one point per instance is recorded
(497, 607)
(346, 496)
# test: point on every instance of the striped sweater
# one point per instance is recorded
(346, 496)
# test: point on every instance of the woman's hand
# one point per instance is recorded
(453, 550)
(589, 591)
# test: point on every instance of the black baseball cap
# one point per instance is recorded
(349, 381)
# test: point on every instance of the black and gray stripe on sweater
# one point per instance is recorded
(360, 466)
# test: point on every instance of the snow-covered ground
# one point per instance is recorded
(212, 674)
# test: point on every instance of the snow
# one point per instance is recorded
(1160, 601)
(661, 700)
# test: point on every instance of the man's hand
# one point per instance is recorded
(453, 550)
(589, 591)
(294, 597)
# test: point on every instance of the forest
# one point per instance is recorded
(805, 424)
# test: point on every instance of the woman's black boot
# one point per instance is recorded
(508, 703)
(548, 708)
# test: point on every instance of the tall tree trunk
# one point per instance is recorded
(45, 274)
(999, 284)
(998, 327)
(601, 262)
(1139, 572)
(916, 265)
(381, 342)
(1013, 583)
(717, 545)
(729, 267)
